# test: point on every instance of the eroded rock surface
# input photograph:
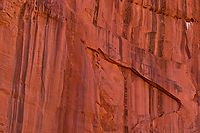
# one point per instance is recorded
(99, 66)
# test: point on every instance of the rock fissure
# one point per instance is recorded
(107, 58)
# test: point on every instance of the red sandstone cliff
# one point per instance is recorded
(97, 66)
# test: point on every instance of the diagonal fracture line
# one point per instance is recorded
(107, 58)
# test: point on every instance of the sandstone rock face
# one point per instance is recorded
(81, 66)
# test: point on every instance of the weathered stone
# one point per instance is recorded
(99, 66)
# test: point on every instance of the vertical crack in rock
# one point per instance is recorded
(186, 45)
(160, 104)
(34, 44)
(42, 88)
(120, 48)
(16, 113)
(161, 36)
(151, 105)
(107, 41)
(152, 34)
(96, 118)
(125, 100)
(183, 40)
(132, 34)
(96, 12)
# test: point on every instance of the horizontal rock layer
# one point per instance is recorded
(99, 66)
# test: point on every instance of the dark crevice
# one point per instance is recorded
(152, 83)
(96, 11)
(34, 45)
(162, 11)
(151, 105)
(120, 48)
(16, 106)
(125, 118)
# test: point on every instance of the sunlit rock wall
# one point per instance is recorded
(81, 66)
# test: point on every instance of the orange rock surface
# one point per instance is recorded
(81, 66)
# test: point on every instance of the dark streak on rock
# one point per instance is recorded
(120, 47)
(150, 82)
(107, 41)
(17, 113)
(95, 88)
(131, 1)
(1, 5)
(127, 19)
(132, 57)
(63, 123)
(34, 45)
(74, 4)
(23, 77)
(151, 37)
(58, 41)
(186, 47)
(151, 96)
(96, 11)
(139, 53)
(82, 92)
(132, 35)
(184, 8)
(177, 87)
(58, 35)
(160, 104)
(187, 51)
(183, 39)
(161, 36)
(162, 10)
(117, 4)
(125, 100)
(42, 88)
(163, 5)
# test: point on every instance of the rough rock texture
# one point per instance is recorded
(78, 66)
